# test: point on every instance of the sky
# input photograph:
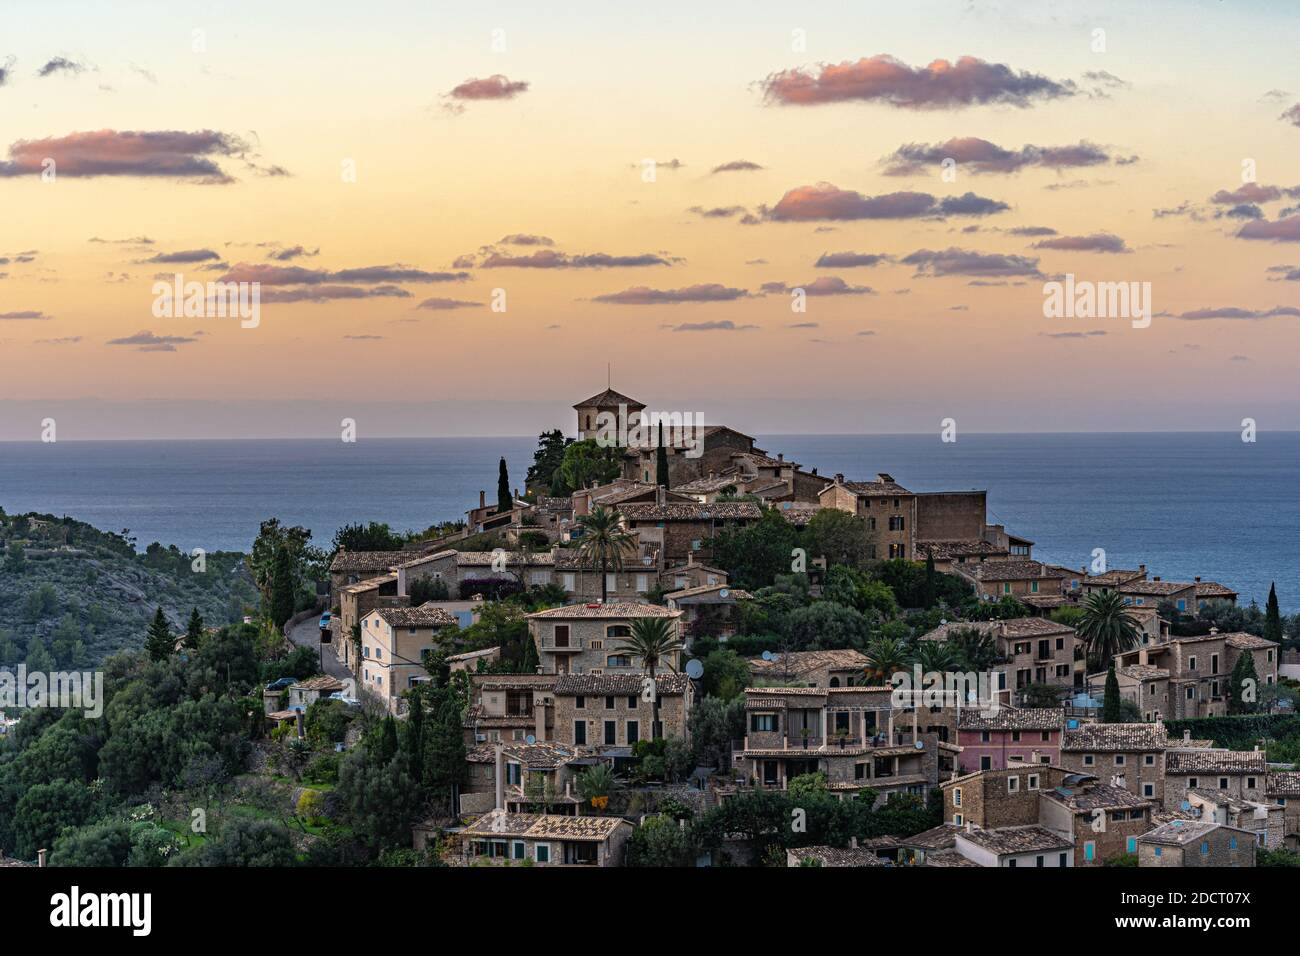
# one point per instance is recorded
(824, 217)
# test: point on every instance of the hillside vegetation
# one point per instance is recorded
(71, 595)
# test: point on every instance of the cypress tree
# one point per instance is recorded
(1243, 685)
(194, 630)
(928, 595)
(158, 642)
(661, 459)
(1110, 709)
(415, 737)
(530, 662)
(281, 588)
(387, 741)
(504, 500)
(1272, 617)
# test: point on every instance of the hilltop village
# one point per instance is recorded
(631, 702)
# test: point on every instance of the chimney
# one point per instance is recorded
(1156, 578)
(853, 843)
(1197, 579)
(516, 493)
(780, 456)
(1214, 630)
(1143, 569)
(1142, 655)
(839, 479)
(482, 499)
(1187, 736)
(814, 471)
(499, 777)
(539, 726)
(40, 857)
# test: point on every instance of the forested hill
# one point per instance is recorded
(70, 594)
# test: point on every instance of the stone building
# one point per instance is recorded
(1235, 773)
(546, 840)
(1131, 756)
(616, 710)
(1196, 843)
(589, 638)
(393, 641)
(993, 741)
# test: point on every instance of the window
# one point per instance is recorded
(618, 660)
(1006, 588)
(1061, 860)
(642, 583)
(759, 723)
(618, 630)
(566, 581)
(542, 853)
(611, 733)
(1157, 851)
(1148, 789)
(561, 635)
(631, 702)
(1191, 663)
(579, 703)
(1223, 783)
(896, 523)
(985, 737)
(1089, 851)
(609, 703)
(1250, 783)
(957, 819)
(1205, 848)
(1132, 845)
(517, 850)
(1193, 782)
(986, 763)
(1033, 781)
(1119, 760)
(580, 733)
(1088, 760)
(1013, 784)
(860, 773)
(1033, 586)
(1149, 760)
(379, 653)
(1232, 843)
(1015, 736)
(956, 796)
(611, 582)
(1047, 735)
(633, 732)
(514, 773)
(1011, 862)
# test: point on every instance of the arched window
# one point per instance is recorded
(835, 682)
(618, 630)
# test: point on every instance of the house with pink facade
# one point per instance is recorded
(1012, 735)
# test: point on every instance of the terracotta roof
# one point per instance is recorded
(368, 560)
(1017, 628)
(1005, 840)
(540, 825)
(608, 398)
(547, 503)
(486, 558)
(426, 615)
(613, 609)
(1095, 797)
(1013, 718)
(945, 550)
(692, 511)
(616, 685)
(1181, 832)
(1213, 589)
(1115, 737)
(737, 594)
(1221, 798)
(1216, 761)
(1112, 578)
(875, 489)
(1284, 784)
(540, 756)
(802, 662)
(1144, 671)
(1155, 588)
(946, 858)
(1245, 641)
(321, 682)
(1009, 571)
(471, 655)
(426, 558)
(369, 584)
(834, 856)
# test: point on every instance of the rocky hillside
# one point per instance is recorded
(70, 594)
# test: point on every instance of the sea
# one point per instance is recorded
(1182, 503)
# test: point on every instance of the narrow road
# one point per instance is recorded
(307, 634)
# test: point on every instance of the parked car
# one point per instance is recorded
(325, 621)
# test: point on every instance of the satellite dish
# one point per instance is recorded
(919, 745)
(723, 593)
(767, 655)
(530, 739)
(694, 669)
(943, 620)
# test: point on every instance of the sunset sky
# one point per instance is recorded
(797, 146)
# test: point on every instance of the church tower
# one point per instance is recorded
(607, 401)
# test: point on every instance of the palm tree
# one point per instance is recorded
(1107, 628)
(604, 543)
(654, 640)
(977, 648)
(885, 656)
(937, 656)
